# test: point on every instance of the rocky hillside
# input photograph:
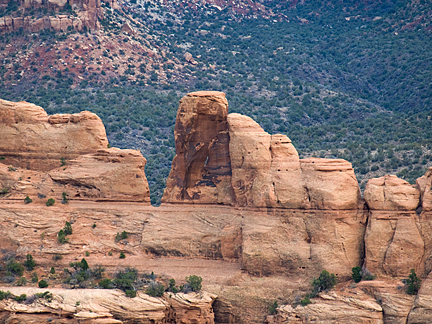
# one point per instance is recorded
(346, 81)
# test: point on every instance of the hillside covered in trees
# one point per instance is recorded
(343, 79)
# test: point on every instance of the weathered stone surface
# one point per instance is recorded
(393, 243)
(201, 170)
(296, 242)
(267, 172)
(43, 140)
(424, 184)
(422, 309)
(332, 308)
(105, 306)
(391, 193)
(108, 174)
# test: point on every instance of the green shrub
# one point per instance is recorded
(106, 284)
(155, 289)
(21, 298)
(357, 274)
(35, 277)
(28, 200)
(50, 202)
(121, 236)
(413, 283)
(65, 200)
(122, 255)
(273, 308)
(305, 301)
(172, 286)
(130, 293)
(52, 271)
(324, 282)
(68, 228)
(15, 267)
(4, 295)
(21, 281)
(29, 262)
(61, 237)
(194, 282)
(46, 295)
(43, 284)
(62, 161)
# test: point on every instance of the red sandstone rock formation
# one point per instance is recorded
(201, 170)
(249, 167)
(31, 139)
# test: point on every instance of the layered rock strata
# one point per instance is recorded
(106, 306)
(32, 139)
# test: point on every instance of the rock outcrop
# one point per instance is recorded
(230, 159)
(394, 242)
(106, 306)
(107, 175)
(44, 140)
(391, 193)
(201, 171)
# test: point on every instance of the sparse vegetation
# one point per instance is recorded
(122, 236)
(413, 283)
(273, 308)
(50, 202)
(122, 255)
(28, 200)
(42, 284)
(29, 263)
(14, 268)
(324, 282)
(194, 282)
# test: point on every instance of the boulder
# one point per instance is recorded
(391, 193)
(44, 140)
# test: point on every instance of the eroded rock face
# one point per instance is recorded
(267, 172)
(393, 243)
(332, 308)
(201, 171)
(230, 159)
(391, 193)
(422, 309)
(31, 139)
(107, 175)
(424, 184)
(107, 306)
